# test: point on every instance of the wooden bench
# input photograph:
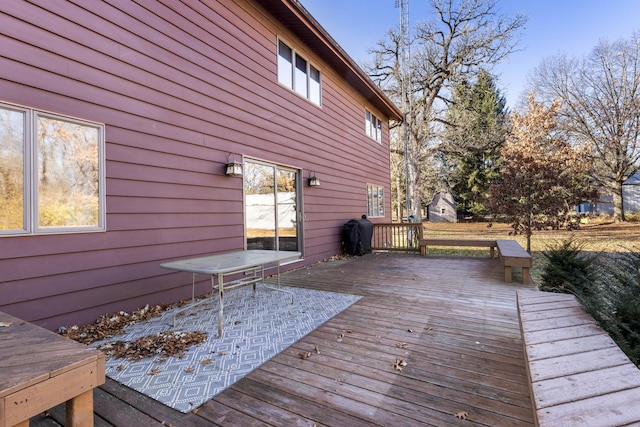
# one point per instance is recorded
(40, 369)
(577, 374)
(425, 243)
(512, 255)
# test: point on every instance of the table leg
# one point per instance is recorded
(261, 279)
(80, 410)
(221, 307)
(193, 299)
(278, 288)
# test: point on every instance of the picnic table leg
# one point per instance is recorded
(221, 306)
(80, 410)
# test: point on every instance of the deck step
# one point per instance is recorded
(578, 375)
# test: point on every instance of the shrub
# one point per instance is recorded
(632, 217)
(621, 314)
(608, 288)
(569, 270)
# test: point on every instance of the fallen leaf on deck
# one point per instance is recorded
(304, 354)
(120, 368)
(189, 370)
(206, 362)
(109, 326)
(402, 345)
(398, 365)
(317, 349)
(5, 324)
(461, 415)
(163, 344)
(154, 371)
(410, 330)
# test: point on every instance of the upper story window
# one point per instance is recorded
(52, 178)
(298, 74)
(372, 126)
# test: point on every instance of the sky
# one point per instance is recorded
(572, 27)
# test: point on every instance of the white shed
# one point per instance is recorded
(442, 208)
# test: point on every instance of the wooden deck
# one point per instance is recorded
(579, 376)
(40, 369)
(453, 321)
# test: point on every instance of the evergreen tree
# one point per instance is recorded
(475, 131)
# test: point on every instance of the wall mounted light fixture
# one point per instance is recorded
(234, 168)
(313, 180)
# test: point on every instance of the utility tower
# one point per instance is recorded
(405, 71)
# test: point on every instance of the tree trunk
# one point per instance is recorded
(529, 232)
(413, 195)
(618, 202)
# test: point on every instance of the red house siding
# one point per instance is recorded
(178, 87)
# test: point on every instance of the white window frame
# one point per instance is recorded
(298, 74)
(375, 200)
(30, 171)
(372, 126)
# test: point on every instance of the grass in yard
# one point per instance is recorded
(594, 236)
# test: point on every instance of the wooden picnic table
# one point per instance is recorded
(40, 369)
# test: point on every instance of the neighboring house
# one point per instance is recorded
(630, 199)
(631, 194)
(442, 208)
(117, 121)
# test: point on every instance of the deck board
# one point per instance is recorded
(579, 376)
(453, 319)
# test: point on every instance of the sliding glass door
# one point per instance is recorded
(272, 214)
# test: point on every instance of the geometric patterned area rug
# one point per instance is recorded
(254, 330)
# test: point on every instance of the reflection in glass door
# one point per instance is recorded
(271, 208)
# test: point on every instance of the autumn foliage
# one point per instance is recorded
(542, 176)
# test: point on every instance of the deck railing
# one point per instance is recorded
(397, 237)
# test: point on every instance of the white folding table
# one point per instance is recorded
(249, 265)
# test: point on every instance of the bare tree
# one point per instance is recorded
(601, 105)
(462, 37)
